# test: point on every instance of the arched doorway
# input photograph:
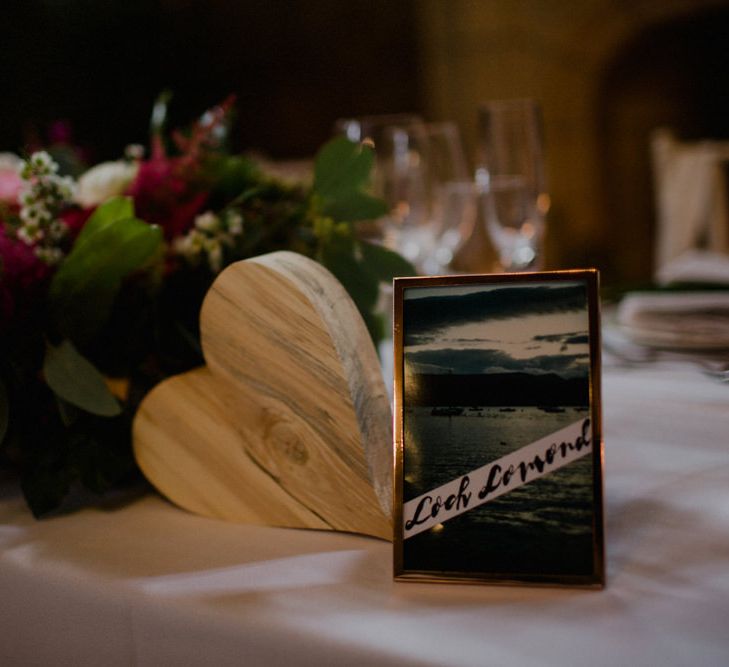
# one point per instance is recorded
(671, 74)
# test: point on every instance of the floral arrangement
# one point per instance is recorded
(102, 278)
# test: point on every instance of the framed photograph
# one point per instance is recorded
(498, 462)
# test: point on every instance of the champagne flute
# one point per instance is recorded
(399, 177)
(510, 180)
(452, 198)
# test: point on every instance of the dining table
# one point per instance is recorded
(136, 580)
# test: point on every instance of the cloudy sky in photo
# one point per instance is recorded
(540, 327)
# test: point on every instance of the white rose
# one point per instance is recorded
(103, 181)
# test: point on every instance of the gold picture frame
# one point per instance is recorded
(498, 437)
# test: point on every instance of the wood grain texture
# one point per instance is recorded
(195, 456)
(289, 424)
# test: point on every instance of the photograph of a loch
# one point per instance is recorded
(488, 369)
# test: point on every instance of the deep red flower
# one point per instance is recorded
(75, 218)
(171, 191)
(60, 132)
(22, 275)
(165, 194)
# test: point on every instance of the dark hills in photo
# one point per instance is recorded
(496, 389)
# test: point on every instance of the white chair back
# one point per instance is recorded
(692, 198)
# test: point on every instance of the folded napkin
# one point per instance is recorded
(680, 320)
(696, 266)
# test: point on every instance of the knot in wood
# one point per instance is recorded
(287, 443)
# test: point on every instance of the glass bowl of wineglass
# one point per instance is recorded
(510, 181)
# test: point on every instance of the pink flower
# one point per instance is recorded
(22, 275)
(10, 181)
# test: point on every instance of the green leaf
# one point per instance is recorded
(354, 207)
(362, 287)
(338, 253)
(375, 325)
(116, 208)
(361, 267)
(361, 284)
(74, 379)
(44, 487)
(99, 461)
(232, 174)
(68, 413)
(341, 177)
(386, 263)
(342, 166)
(83, 289)
(4, 411)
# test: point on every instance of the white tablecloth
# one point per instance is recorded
(148, 584)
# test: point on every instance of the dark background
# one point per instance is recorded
(295, 67)
(298, 65)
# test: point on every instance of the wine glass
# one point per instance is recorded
(510, 180)
(400, 177)
(452, 211)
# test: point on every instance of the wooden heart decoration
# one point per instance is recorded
(289, 422)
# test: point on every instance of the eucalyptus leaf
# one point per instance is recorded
(76, 380)
(342, 166)
(83, 289)
(341, 176)
(4, 411)
(338, 253)
(354, 206)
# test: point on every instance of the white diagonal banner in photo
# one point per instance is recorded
(497, 478)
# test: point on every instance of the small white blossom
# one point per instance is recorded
(40, 164)
(66, 187)
(235, 223)
(189, 246)
(134, 152)
(29, 236)
(48, 255)
(29, 215)
(207, 240)
(214, 251)
(181, 245)
(42, 198)
(57, 230)
(207, 222)
(27, 196)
